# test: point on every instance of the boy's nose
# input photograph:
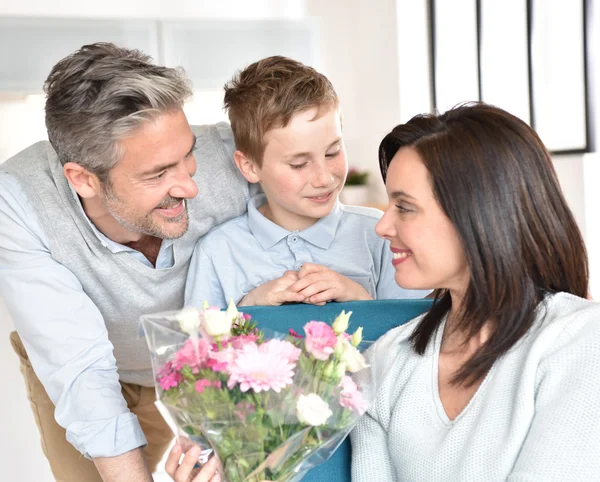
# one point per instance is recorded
(323, 178)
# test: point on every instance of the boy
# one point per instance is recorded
(297, 243)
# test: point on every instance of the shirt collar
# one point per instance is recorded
(268, 234)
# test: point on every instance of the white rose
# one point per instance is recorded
(189, 320)
(216, 322)
(312, 410)
(353, 359)
(340, 324)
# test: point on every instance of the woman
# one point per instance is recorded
(499, 380)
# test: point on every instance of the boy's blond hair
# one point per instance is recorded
(267, 94)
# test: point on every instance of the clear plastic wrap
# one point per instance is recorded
(270, 405)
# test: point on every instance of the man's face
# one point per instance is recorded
(148, 188)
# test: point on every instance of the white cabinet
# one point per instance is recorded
(212, 50)
(209, 50)
(29, 47)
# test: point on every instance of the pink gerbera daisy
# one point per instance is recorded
(285, 348)
(263, 369)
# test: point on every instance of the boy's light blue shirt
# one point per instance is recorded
(250, 250)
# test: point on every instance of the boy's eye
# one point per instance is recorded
(298, 166)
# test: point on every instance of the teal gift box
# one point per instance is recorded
(376, 318)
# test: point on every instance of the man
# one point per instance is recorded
(97, 228)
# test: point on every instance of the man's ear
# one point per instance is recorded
(83, 181)
(246, 167)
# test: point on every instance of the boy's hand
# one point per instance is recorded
(274, 292)
(320, 284)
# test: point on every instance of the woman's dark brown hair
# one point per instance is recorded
(494, 179)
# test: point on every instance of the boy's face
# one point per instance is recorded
(304, 168)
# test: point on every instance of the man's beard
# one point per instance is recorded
(145, 223)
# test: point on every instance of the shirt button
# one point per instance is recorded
(294, 239)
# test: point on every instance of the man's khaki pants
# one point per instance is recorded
(67, 464)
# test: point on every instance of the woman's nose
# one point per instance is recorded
(385, 227)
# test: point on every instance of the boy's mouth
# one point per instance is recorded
(321, 199)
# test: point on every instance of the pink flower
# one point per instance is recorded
(351, 398)
(169, 380)
(261, 369)
(238, 342)
(216, 366)
(192, 354)
(320, 339)
(202, 384)
(285, 348)
(295, 334)
(244, 409)
(221, 359)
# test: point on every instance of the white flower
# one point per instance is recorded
(312, 410)
(189, 320)
(216, 322)
(340, 324)
(357, 337)
(232, 311)
(353, 359)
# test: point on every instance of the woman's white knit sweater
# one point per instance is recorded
(535, 417)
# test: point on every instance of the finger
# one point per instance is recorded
(286, 296)
(290, 274)
(173, 460)
(187, 465)
(216, 477)
(308, 280)
(317, 287)
(308, 268)
(323, 297)
(208, 472)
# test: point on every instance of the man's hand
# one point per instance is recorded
(320, 284)
(274, 292)
(187, 470)
(129, 467)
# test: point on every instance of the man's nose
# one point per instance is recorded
(184, 186)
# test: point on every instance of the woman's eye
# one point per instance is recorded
(298, 166)
(402, 209)
(331, 155)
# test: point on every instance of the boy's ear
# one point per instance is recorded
(246, 167)
(83, 181)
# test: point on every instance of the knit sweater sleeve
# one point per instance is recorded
(563, 442)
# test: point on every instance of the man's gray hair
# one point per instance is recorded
(101, 94)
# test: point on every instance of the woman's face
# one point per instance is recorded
(427, 253)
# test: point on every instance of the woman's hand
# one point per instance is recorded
(187, 470)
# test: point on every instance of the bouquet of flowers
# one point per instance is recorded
(271, 407)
